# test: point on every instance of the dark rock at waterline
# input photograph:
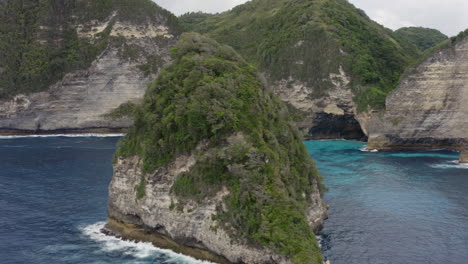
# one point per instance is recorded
(464, 156)
(330, 126)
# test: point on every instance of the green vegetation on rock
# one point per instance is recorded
(39, 43)
(127, 109)
(423, 38)
(212, 105)
(309, 40)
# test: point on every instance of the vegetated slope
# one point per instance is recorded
(308, 41)
(428, 110)
(423, 38)
(39, 41)
(246, 180)
(69, 64)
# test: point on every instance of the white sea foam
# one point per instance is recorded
(454, 164)
(65, 135)
(365, 149)
(319, 240)
(139, 250)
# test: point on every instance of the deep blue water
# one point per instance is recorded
(53, 200)
(393, 207)
(386, 208)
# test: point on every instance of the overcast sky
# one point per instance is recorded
(448, 16)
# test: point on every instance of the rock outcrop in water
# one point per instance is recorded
(91, 61)
(429, 110)
(213, 166)
(464, 156)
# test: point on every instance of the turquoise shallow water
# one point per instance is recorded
(393, 207)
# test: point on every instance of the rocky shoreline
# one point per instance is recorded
(140, 233)
(185, 230)
(131, 232)
(464, 156)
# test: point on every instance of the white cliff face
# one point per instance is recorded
(193, 224)
(81, 100)
(301, 95)
(429, 109)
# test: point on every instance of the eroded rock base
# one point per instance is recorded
(464, 157)
(138, 233)
(330, 126)
(396, 143)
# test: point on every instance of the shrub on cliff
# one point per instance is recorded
(211, 104)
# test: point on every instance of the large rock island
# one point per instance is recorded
(213, 166)
(429, 110)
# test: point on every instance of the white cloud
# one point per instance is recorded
(210, 6)
(390, 20)
(448, 16)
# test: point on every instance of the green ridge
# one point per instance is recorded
(211, 103)
(308, 40)
(423, 38)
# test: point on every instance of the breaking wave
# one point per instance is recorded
(454, 164)
(365, 149)
(139, 250)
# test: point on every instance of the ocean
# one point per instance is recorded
(395, 207)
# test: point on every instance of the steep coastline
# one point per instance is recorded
(133, 41)
(189, 230)
(428, 110)
(327, 58)
(235, 185)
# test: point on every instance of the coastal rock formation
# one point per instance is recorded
(429, 109)
(134, 40)
(327, 58)
(464, 156)
(190, 229)
(330, 116)
(214, 168)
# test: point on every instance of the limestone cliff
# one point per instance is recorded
(127, 43)
(429, 109)
(213, 166)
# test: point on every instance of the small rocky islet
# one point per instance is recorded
(464, 156)
(213, 165)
